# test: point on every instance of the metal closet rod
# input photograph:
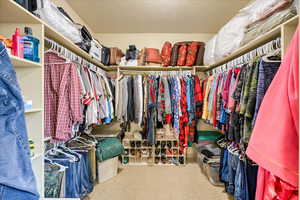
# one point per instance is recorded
(66, 53)
(129, 72)
(247, 57)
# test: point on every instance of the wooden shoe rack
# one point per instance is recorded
(140, 152)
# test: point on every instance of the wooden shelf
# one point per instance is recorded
(32, 111)
(21, 15)
(21, 62)
(62, 40)
(17, 14)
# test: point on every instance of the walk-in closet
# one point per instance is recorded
(143, 100)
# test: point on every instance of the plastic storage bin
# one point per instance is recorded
(107, 169)
(211, 168)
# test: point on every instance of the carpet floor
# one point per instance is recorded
(158, 183)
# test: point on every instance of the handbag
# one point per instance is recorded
(174, 54)
(166, 54)
(131, 53)
(142, 57)
(200, 55)
(115, 56)
(182, 55)
(153, 55)
(192, 53)
(109, 148)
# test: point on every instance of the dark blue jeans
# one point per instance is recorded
(85, 175)
(241, 186)
(224, 170)
(233, 161)
(9, 193)
(72, 177)
(15, 164)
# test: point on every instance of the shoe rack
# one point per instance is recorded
(164, 152)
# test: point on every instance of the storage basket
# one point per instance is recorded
(107, 169)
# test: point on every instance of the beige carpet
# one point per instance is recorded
(158, 183)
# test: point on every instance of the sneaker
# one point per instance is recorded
(157, 144)
(156, 160)
(157, 152)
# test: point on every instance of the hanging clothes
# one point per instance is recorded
(279, 157)
(62, 97)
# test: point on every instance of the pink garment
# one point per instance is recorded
(270, 187)
(274, 141)
(62, 97)
(231, 101)
(225, 93)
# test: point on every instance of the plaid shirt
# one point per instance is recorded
(62, 97)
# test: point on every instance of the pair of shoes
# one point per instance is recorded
(169, 144)
(157, 144)
(181, 160)
(156, 160)
(125, 160)
(175, 151)
(132, 152)
(169, 152)
(157, 152)
(145, 153)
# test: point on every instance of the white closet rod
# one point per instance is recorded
(260, 51)
(66, 53)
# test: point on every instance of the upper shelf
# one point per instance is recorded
(11, 12)
(59, 38)
(259, 41)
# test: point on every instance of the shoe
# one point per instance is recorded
(132, 144)
(132, 152)
(175, 143)
(169, 144)
(163, 152)
(138, 144)
(181, 160)
(126, 152)
(145, 144)
(145, 153)
(169, 152)
(156, 160)
(138, 153)
(163, 160)
(157, 152)
(163, 144)
(157, 144)
(175, 152)
(125, 160)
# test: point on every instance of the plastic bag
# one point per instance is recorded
(53, 17)
(230, 36)
(259, 8)
(268, 24)
(209, 53)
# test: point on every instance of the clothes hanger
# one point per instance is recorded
(56, 150)
(272, 52)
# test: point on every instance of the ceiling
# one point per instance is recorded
(156, 16)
